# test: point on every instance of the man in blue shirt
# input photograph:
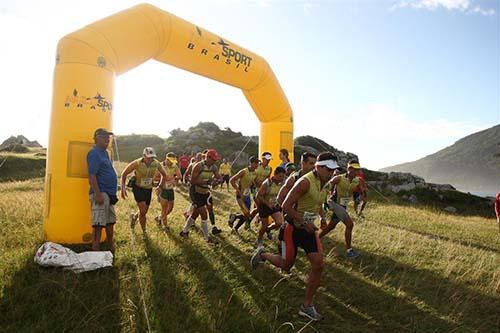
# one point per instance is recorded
(103, 187)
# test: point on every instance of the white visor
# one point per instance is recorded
(268, 156)
(330, 164)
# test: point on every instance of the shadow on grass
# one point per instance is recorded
(211, 290)
(443, 298)
(52, 300)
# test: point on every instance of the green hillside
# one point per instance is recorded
(23, 166)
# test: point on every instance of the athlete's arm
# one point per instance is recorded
(188, 172)
(217, 175)
(161, 170)
(285, 189)
(177, 175)
(335, 180)
(297, 191)
(130, 167)
(261, 195)
(195, 175)
(234, 179)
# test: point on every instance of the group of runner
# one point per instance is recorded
(284, 199)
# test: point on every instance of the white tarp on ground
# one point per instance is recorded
(55, 255)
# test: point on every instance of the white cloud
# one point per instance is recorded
(382, 136)
(485, 12)
(465, 6)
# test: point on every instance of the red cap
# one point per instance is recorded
(212, 154)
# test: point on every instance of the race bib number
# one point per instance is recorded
(310, 217)
(344, 201)
(145, 182)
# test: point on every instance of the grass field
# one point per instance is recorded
(420, 271)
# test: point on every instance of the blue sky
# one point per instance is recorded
(389, 80)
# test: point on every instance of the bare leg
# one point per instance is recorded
(143, 209)
(349, 225)
(274, 259)
(312, 284)
(330, 226)
(96, 238)
(262, 230)
(109, 235)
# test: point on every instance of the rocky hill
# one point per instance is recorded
(471, 164)
(15, 142)
(228, 143)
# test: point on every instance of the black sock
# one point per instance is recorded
(211, 216)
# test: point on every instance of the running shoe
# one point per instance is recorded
(158, 221)
(230, 222)
(184, 234)
(133, 220)
(310, 312)
(256, 259)
(215, 230)
(350, 253)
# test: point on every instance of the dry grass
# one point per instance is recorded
(420, 271)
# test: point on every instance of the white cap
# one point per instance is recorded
(330, 164)
(267, 156)
(149, 152)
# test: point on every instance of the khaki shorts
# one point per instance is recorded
(102, 215)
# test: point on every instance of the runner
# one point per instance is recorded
(202, 175)
(144, 169)
(184, 161)
(242, 182)
(225, 172)
(262, 172)
(187, 178)
(290, 168)
(187, 175)
(267, 201)
(166, 194)
(307, 161)
(343, 191)
(284, 158)
(361, 191)
(303, 205)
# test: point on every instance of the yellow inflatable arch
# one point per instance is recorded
(86, 64)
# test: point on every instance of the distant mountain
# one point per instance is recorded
(471, 164)
(228, 143)
(15, 142)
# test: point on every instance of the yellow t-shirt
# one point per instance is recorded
(206, 174)
(312, 200)
(247, 180)
(144, 173)
(262, 173)
(225, 169)
(171, 172)
(345, 188)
